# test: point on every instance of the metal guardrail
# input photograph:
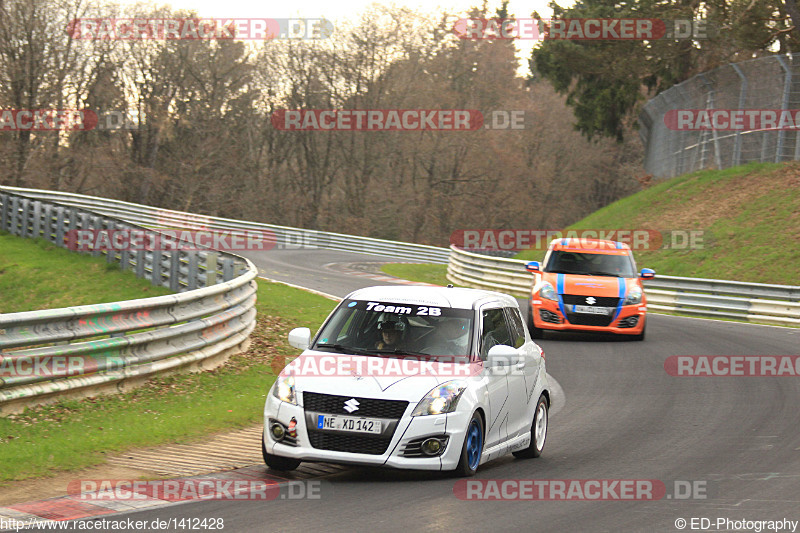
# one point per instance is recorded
(284, 237)
(737, 300)
(85, 350)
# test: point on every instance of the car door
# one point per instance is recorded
(494, 330)
(521, 378)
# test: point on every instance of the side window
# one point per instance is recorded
(517, 328)
(494, 330)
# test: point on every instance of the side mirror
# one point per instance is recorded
(533, 266)
(647, 273)
(300, 338)
(502, 355)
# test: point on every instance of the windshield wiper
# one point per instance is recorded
(399, 352)
(345, 349)
(602, 274)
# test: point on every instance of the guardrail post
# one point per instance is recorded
(49, 224)
(36, 223)
(5, 212)
(140, 259)
(25, 217)
(227, 269)
(174, 270)
(211, 268)
(155, 277)
(191, 282)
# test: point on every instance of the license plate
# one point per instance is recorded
(590, 310)
(348, 423)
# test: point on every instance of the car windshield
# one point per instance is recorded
(368, 327)
(590, 264)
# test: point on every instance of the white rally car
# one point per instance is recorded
(432, 378)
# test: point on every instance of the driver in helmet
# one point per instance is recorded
(450, 338)
(392, 331)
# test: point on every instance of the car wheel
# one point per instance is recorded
(640, 336)
(277, 462)
(538, 431)
(473, 447)
(535, 332)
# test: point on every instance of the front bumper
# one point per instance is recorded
(544, 312)
(408, 428)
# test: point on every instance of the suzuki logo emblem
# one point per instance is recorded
(590, 300)
(351, 405)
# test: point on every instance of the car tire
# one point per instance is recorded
(640, 336)
(538, 431)
(276, 462)
(535, 332)
(472, 449)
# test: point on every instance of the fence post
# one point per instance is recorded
(787, 85)
(737, 143)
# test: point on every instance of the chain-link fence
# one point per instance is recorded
(769, 83)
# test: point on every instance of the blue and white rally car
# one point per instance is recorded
(431, 378)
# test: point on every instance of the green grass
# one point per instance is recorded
(425, 273)
(36, 274)
(75, 434)
(750, 216)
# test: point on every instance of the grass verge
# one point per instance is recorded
(36, 274)
(76, 434)
(424, 273)
(749, 215)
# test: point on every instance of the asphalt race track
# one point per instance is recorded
(624, 418)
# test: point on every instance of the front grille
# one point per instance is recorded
(601, 301)
(548, 316)
(343, 442)
(367, 407)
(580, 319)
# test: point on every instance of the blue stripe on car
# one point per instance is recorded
(621, 282)
(560, 291)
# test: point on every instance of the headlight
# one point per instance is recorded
(634, 296)
(284, 389)
(548, 292)
(442, 399)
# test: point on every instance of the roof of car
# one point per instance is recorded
(595, 245)
(430, 295)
